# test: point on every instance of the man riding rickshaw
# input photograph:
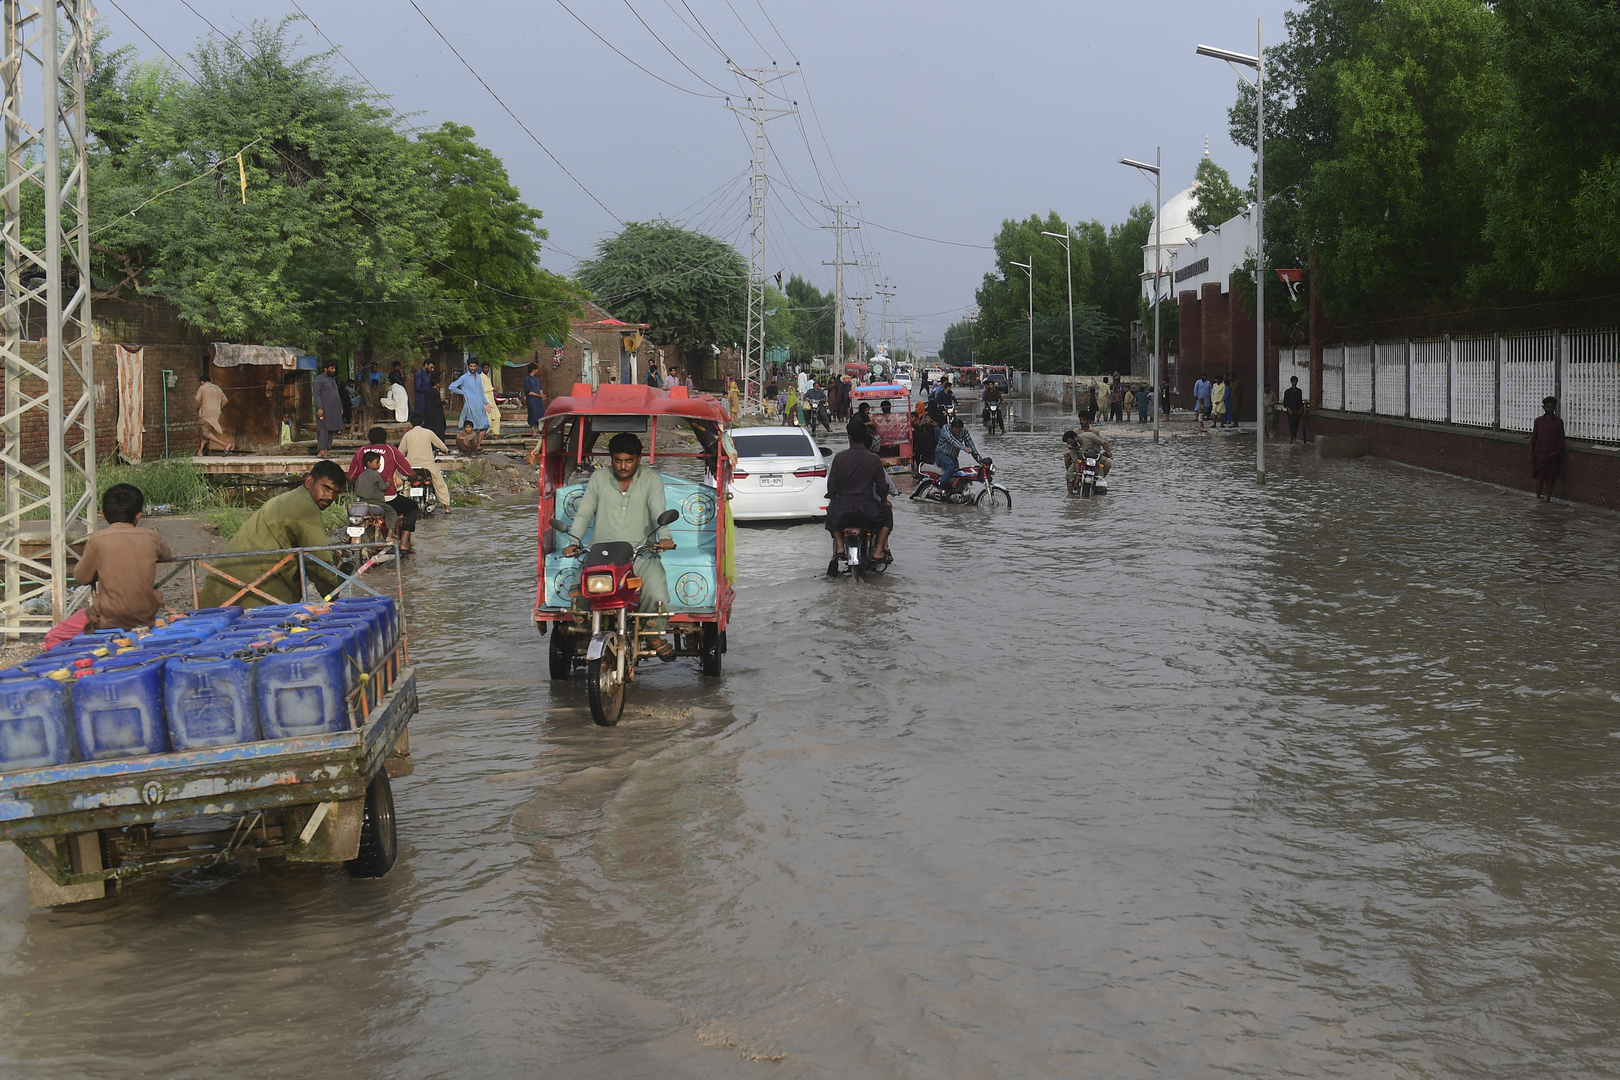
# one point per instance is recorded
(634, 562)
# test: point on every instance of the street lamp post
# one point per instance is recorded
(1069, 263)
(1257, 62)
(1029, 269)
(1158, 270)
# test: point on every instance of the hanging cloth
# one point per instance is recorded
(131, 368)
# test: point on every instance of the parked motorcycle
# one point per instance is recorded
(995, 420)
(975, 486)
(857, 540)
(427, 499)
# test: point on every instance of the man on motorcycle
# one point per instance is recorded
(952, 441)
(992, 396)
(623, 503)
(1078, 442)
(939, 398)
(857, 483)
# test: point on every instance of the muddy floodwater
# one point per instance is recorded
(1201, 779)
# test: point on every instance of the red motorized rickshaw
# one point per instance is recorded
(894, 426)
(588, 601)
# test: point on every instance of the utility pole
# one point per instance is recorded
(886, 291)
(759, 108)
(838, 264)
(860, 325)
(49, 39)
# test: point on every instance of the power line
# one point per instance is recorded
(615, 48)
(671, 51)
(514, 115)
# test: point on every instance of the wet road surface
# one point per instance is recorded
(1198, 779)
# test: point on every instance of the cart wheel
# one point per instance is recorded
(603, 685)
(562, 653)
(713, 647)
(379, 844)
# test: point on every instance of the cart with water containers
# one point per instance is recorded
(221, 735)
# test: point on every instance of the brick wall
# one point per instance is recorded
(1590, 474)
(1191, 362)
(1217, 338)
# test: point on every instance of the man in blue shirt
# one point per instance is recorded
(952, 441)
(471, 389)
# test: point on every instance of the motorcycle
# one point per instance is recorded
(1088, 482)
(994, 420)
(427, 499)
(973, 486)
(366, 529)
(607, 583)
(858, 538)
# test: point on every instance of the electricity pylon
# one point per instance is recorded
(47, 288)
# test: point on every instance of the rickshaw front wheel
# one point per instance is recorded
(603, 684)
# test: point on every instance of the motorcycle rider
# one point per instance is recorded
(952, 441)
(624, 503)
(1078, 441)
(857, 483)
(992, 396)
(940, 397)
(924, 440)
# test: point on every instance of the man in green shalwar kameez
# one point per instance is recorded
(623, 503)
(292, 519)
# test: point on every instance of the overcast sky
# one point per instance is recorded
(939, 120)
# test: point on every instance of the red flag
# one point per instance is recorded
(1294, 282)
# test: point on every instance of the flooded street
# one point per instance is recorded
(1314, 779)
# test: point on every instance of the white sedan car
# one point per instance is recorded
(780, 473)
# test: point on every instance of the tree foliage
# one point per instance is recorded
(1215, 197)
(957, 348)
(1106, 266)
(1430, 149)
(349, 233)
(689, 287)
(495, 296)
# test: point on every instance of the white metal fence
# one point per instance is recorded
(1492, 380)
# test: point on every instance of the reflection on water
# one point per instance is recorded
(1313, 779)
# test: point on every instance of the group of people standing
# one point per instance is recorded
(374, 396)
(803, 400)
(1217, 400)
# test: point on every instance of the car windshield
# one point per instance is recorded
(785, 445)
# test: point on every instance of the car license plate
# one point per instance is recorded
(770, 480)
(416, 493)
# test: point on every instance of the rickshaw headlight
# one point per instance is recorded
(597, 584)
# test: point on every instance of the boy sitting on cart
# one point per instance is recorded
(623, 503)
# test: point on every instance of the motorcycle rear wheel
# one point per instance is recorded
(711, 649)
(603, 685)
(921, 489)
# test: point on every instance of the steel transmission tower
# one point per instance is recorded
(48, 40)
(758, 107)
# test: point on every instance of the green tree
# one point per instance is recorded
(1376, 112)
(1215, 197)
(1552, 211)
(690, 288)
(495, 298)
(957, 348)
(325, 251)
(813, 315)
